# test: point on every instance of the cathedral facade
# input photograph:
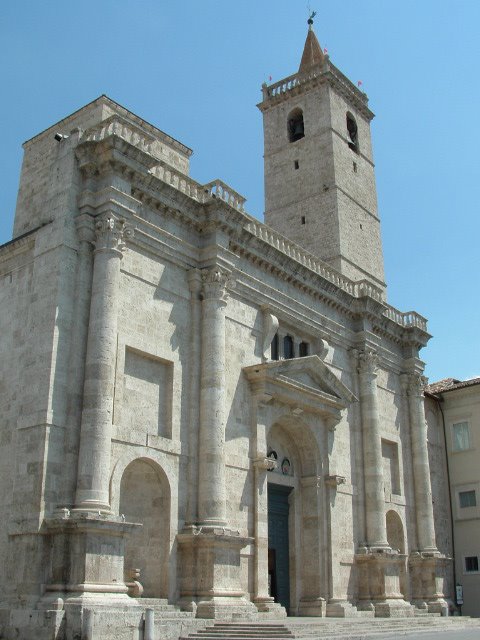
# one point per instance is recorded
(202, 409)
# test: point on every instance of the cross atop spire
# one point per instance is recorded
(312, 51)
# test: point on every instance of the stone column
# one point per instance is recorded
(96, 428)
(195, 284)
(421, 468)
(211, 475)
(372, 451)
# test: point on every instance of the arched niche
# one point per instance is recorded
(396, 540)
(395, 536)
(145, 498)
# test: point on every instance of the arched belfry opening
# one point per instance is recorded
(295, 125)
(352, 130)
(145, 498)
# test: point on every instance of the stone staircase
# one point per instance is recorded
(368, 628)
(334, 628)
(242, 631)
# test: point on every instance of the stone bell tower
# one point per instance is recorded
(319, 172)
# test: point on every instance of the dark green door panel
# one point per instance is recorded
(278, 544)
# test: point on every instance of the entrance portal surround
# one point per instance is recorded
(300, 402)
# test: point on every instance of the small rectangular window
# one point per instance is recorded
(274, 348)
(296, 164)
(303, 219)
(303, 349)
(288, 347)
(461, 436)
(354, 167)
(467, 499)
(471, 564)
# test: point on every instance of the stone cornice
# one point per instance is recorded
(215, 206)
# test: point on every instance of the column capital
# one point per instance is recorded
(110, 233)
(215, 283)
(367, 361)
(413, 384)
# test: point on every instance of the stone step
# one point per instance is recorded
(241, 631)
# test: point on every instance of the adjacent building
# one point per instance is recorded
(453, 408)
(226, 412)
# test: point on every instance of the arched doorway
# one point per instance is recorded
(295, 501)
(145, 498)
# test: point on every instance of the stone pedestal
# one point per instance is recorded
(87, 562)
(211, 573)
(380, 580)
(427, 579)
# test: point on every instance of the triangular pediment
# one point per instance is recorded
(305, 381)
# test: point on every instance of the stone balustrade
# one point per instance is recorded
(406, 319)
(122, 128)
(218, 189)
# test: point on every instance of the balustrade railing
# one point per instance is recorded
(218, 189)
(117, 126)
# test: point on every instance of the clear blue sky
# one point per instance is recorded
(194, 69)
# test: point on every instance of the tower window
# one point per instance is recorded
(354, 167)
(352, 132)
(288, 347)
(295, 164)
(303, 220)
(295, 125)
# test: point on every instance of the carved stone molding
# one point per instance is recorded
(111, 233)
(367, 362)
(335, 480)
(265, 464)
(85, 226)
(215, 284)
(270, 328)
(194, 277)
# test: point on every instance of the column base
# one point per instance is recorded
(380, 592)
(269, 609)
(87, 560)
(210, 573)
(313, 607)
(341, 609)
(428, 570)
(393, 609)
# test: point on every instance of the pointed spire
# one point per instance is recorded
(312, 51)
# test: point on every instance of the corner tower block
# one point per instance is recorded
(319, 173)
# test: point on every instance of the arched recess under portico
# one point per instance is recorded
(296, 495)
(396, 540)
(145, 498)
